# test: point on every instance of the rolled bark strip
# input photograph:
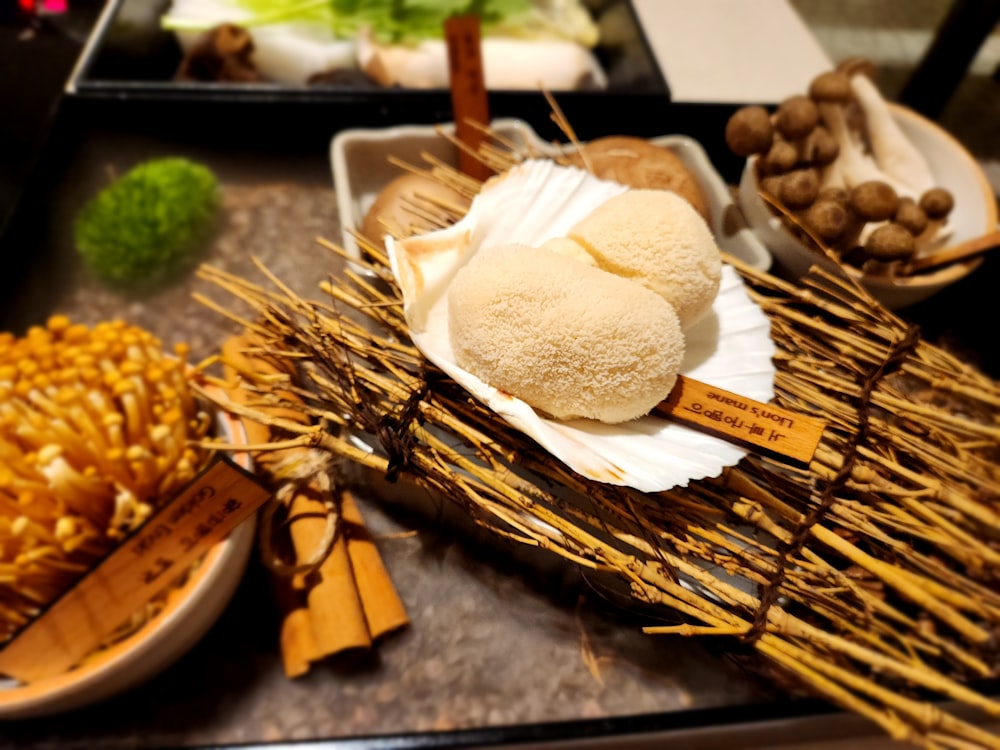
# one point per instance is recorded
(348, 599)
(334, 605)
(383, 608)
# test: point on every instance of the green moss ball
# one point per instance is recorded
(148, 225)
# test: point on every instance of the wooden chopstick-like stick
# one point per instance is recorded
(958, 252)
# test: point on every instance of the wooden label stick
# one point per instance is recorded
(155, 555)
(764, 428)
(962, 251)
(469, 101)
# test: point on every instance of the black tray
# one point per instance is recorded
(128, 68)
(129, 55)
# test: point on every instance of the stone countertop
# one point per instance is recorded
(496, 639)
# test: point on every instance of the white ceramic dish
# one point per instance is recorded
(975, 214)
(361, 168)
(189, 612)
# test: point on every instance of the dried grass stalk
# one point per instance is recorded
(869, 579)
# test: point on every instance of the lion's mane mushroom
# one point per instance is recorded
(749, 131)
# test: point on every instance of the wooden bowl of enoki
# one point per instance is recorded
(916, 212)
(99, 430)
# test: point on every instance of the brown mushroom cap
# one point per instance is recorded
(799, 188)
(394, 205)
(771, 184)
(832, 86)
(874, 200)
(642, 165)
(821, 148)
(796, 117)
(837, 194)
(911, 216)
(937, 203)
(749, 131)
(852, 66)
(890, 242)
(222, 54)
(780, 158)
(828, 219)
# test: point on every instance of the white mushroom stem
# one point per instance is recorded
(867, 229)
(832, 176)
(855, 165)
(894, 153)
(934, 237)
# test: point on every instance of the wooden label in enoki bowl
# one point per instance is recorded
(217, 501)
(764, 428)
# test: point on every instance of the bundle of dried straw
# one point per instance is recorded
(869, 579)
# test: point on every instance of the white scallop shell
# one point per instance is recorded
(729, 348)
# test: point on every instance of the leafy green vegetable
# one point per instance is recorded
(389, 20)
(409, 21)
(148, 224)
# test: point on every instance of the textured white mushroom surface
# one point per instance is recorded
(730, 347)
(566, 337)
(657, 238)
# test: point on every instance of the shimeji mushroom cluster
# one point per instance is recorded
(96, 428)
(838, 168)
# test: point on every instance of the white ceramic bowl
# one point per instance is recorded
(189, 612)
(361, 168)
(953, 167)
